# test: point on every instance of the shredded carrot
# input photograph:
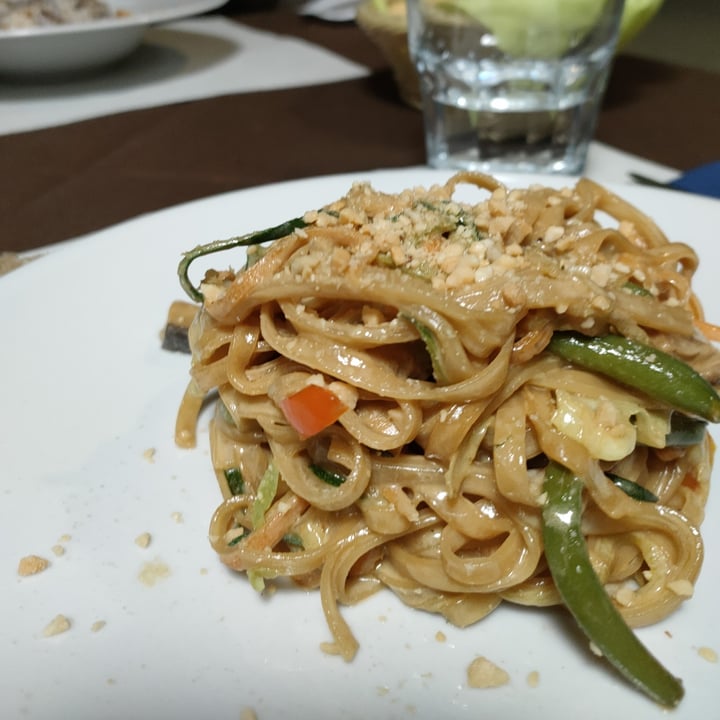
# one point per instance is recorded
(278, 521)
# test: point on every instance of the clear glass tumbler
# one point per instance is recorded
(512, 85)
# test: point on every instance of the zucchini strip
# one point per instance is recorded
(254, 238)
(328, 476)
(632, 489)
(685, 431)
(433, 348)
(585, 597)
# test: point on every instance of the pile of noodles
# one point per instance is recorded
(443, 472)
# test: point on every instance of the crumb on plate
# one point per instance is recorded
(625, 596)
(59, 624)
(483, 673)
(32, 565)
(152, 572)
(143, 540)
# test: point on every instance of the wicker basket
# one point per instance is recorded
(388, 31)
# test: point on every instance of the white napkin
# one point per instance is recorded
(330, 10)
(608, 164)
(185, 60)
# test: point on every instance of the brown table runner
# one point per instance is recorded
(65, 181)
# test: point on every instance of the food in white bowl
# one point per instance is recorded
(18, 14)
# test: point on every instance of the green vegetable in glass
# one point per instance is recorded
(584, 595)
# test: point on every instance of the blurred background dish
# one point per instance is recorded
(52, 49)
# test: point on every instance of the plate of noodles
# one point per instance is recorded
(443, 448)
(49, 37)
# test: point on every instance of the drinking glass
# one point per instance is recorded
(512, 85)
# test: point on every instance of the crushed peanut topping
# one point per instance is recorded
(427, 234)
(153, 572)
(683, 588)
(625, 596)
(59, 624)
(533, 679)
(143, 540)
(32, 565)
(708, 654)
(482, 673)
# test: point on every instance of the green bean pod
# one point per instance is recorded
(585, 597)
(651, 371)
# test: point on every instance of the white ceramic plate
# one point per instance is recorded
(86, 392)
(55, 49)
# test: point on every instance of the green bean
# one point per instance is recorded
(651, 371)
(254, 238)
(584, 595)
